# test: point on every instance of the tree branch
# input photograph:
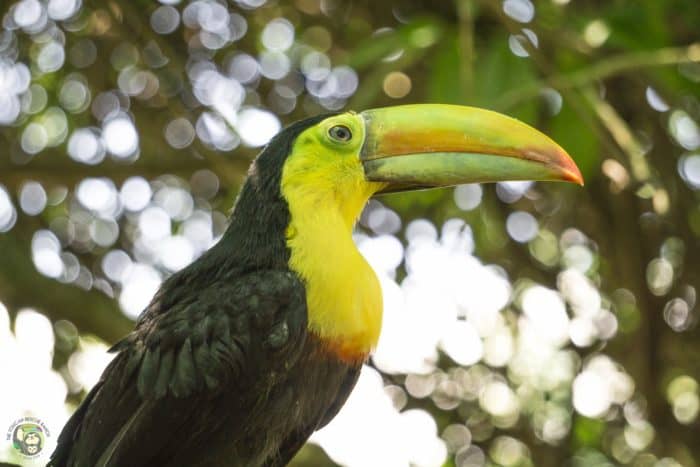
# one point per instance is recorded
(605, 68)
(57, 170)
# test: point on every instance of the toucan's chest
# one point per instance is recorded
(343, 295)
(281, 409)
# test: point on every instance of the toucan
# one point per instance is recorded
(241, 355)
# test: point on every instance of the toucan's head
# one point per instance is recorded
(320, 172)
(352, 156)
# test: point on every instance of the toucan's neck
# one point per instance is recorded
(344, 299)
(255, 238)
(310, 232)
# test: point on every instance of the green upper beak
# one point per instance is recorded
(433, 145)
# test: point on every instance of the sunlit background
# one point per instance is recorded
(525, 324)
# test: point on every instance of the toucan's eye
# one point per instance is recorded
(340, 133)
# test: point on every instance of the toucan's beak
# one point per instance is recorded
(432, 145)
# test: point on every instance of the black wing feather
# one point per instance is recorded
(204, 347)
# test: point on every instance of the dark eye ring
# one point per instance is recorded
(340, 133)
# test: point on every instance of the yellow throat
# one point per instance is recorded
(343, 295)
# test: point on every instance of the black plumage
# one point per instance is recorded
(220, 369)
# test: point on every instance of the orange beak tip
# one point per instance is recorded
(575, 178)
(571, 171)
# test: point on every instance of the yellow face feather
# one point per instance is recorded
(325, 188)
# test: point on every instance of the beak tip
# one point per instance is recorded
(570, 170)
(572, 174)
(559, 160)
(575, 178)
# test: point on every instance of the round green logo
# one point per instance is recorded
(28, 436)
